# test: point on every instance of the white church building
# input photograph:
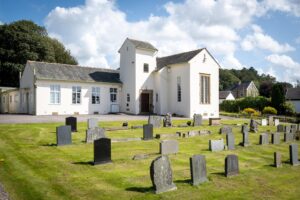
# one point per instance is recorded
(181, 84)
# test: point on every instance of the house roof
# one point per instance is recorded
(142, 44)
(64, 72)
(241, 85)
(177, 58)
(293, 94)
(224, 94)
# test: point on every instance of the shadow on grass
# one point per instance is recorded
(49, 145)
(187, 181)
(83, 163)
(219, 173)
(140, 189)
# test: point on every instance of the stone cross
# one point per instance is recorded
(230, 141)
(63, 135)
(276, 138)
(231, 165)
(264, 139)
(216, 145)
(72, 121)
(197, 120)
(147, 132)
(94, 134)
(294, 154)
(102, 151)
(161, 175)
(92, 123)
(277, 159)
(198, 169)
(169, 147)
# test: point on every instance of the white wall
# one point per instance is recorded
(44, 107)
(11, 104)
(27, 86)
(296, 104)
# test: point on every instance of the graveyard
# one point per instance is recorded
(34, 164)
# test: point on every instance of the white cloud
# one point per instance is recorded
(289, 6)
(283, 61)
(263, 41)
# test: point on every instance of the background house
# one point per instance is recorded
(225, 95)
(293, 96)
(245, 89)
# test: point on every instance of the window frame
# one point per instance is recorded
(205, 87)
(179, 89)
(56, 93)
(146, 68)
(128, 97)
(77, 91)
(113, 94)
(95, 95)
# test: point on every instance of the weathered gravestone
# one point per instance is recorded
(155, 121)
(147, 132)
(72, 121)
(264, 139)
(214, 121)
(280, 128)
(204, 132)
(169, 147)
(293, 128)
(161, 175)
(271, 120)
(225, 129)
(294, 154)
(92, 123)
(63, 135)
(276, 122)
(288, 137)
(193, 133)
(94, 134)
(102, 151)
(264, 122)
(287, 129)
(245, 141)
(231, 165)
(277, 159)
(197, 120)
(198, 169)
(275, 138)
(253, 126)
(167, 121)
(216, 145)
(230, 141)
(245, 128)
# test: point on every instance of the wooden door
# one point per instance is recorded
(145, 102)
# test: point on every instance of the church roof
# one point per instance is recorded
(142, 44)
(293, 94)
(224, 94)
(65, 72)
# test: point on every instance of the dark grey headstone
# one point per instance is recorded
(288, 137)
(155, 121)
(94, 134)
(271, 120)
(63, 135)
(147, 132)
(225, 129)
(216, 145)
(161, 175)
(277, 159)
(169, 147)
(253, 126)
(245, 128)
(280, 128)
(167, 121)
(245, 139)
(92, 123)
(294, 154)
(275, 138)
(231, 165)
(197, 120)
(264, 139)
(198, 169)
(230, 141)
(102, 151)
(72, 121)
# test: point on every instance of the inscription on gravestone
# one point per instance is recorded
(94, 134)
(161, 175)
(216, 145)
(147, 132)
(92, 123)
(294, 154)
(72, 121)
(169, 147)
(63, 135)
(155, 121)
(230, 141)
(275, 138)
(198, 169)
(102, 151)
(264, 139)
(197, 120)
(231, 165)
(277, 159)
(225, 130)
(280, 128)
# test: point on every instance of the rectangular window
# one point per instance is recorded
(95, 95)
(76, 94)
(55, 94)
(146, 67)
(113, 94)
(178, 88)
(204, 89)
(128, 97)
(156, 97)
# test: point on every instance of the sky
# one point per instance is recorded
(264, 34)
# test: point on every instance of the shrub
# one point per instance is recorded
(249, 111)
(269, 110)
(288, 108)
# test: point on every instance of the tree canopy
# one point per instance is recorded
(24, 40)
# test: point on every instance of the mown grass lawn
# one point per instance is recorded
(31, 167)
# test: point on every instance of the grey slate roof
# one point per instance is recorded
(142, 44)
(240, 86)
(293, 94)
(177, 58)
(56, 71)
(224, 94)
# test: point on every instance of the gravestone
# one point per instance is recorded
(287, 129)
(198, 169)
(245, 141)
(92, 123)
(245, 128)
(216, 145)
(277, 159)
(288, 137)
(253, 126)
(271, 120)
(72, 121)
(225, 129)
(204, 132)
(293, 128)
(264, 139)
(214, 121)
(167, 121)
(264, 122)
(155, 121)
(193, 133)
(147, 132)
(102, 151)
(161, 175)
(169, 147)
(280, 128)
(197, 120)
(230, 141)
(275, 138)
(231, 165)
(63, 135)
(94, 134)
(294, 154)
(276, 122)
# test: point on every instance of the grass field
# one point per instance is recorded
(31, 167)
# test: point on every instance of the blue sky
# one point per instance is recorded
(264, 34)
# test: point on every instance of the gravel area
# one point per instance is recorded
(3, 194)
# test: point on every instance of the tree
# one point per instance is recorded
(278, 97)
(265, 88)
(24, 40)
(227, 79)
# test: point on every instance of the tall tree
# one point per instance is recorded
(278, 97)
(265, 88)
(24, 40)
(227, 79)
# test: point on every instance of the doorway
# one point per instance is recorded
(146, 101)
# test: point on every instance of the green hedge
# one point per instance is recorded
(258, 103)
